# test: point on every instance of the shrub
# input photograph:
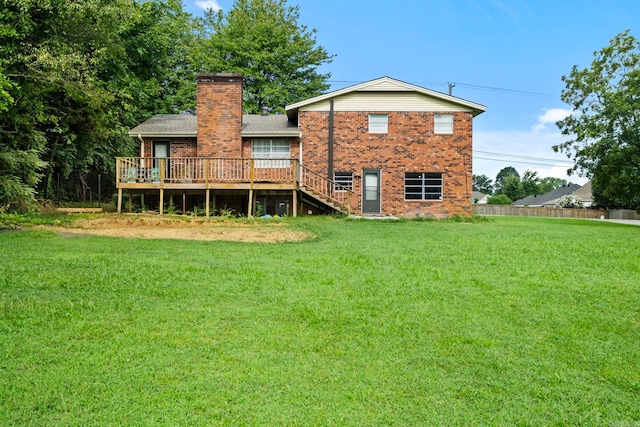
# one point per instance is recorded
(569, 201)
(499, 199)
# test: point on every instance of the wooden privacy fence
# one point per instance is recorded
(506, 210)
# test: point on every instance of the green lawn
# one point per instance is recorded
(510, 321)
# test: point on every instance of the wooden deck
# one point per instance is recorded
(206, 174)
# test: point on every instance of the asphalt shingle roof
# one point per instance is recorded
(253, 125)
(544, 198)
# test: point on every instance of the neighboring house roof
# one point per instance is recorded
(388, 86)
(585, 194)
(479, 197)
(545, 198)
(184, 125)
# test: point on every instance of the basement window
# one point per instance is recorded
(423, 186)
(443, 123)
(378, 123)
(343, 181)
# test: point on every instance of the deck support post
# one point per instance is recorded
(250, 207)
(161, 201)
(295, 203)
(119, 200)
(207, 195)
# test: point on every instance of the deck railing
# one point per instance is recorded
(203, 170)
(326, 188)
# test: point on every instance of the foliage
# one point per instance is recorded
(605, 124)
(483, 184)
(75, 75)
(549, 184)
(499, 199)
(263, 40)
(500, 177)
(569, 201)
(512, 321)
(512, 187)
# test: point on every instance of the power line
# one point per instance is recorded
(522, 162)
(519, 156)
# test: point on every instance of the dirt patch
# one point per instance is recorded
(143, 227)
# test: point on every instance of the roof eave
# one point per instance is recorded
(163, 134)
(257, 134)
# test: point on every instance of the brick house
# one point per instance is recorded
(379, 148)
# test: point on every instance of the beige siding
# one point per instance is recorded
(377, 101)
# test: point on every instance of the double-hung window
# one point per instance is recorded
(343, 181)
(443, 123)
(378, 123)
(277, 149)
(423, 186)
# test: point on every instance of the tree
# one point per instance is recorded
(605, 125)
(75, 76)
(504, 172)
(262, 40)
(512, 187)
(530, 183)
(550, 183)
(483, 184)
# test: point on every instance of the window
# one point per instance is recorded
(343, 180)
(443, 123)
(378, 123)
(423, 186)
(271, 149)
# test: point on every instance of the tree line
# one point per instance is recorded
(509, 186)
(75, 75)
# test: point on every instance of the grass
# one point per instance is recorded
(509, 321)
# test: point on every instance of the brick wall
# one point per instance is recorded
(219, 115)
(178, 147)
(409, 146)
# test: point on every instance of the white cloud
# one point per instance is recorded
(550, 116)
(208, 4)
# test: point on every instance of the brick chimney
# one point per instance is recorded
(219, 114)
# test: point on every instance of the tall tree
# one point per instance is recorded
(605, 124)
(550, 183)
(502, 174)
(262, 39)
(483, 184)
(76, 75)
(512, 187)
(530, 183)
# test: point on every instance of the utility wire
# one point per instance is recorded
(518, 156)
(522, 162)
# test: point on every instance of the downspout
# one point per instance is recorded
(330, 142)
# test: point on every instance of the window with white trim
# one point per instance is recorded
(343, 181)
(378, 123)
(443, 123)
(423, 186)
(277, 149)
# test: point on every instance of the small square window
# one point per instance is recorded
(443, 123)
(378, 123)
(343, 181)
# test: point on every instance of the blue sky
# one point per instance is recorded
(507, 55)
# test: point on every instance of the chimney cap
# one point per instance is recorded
(219, 77)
